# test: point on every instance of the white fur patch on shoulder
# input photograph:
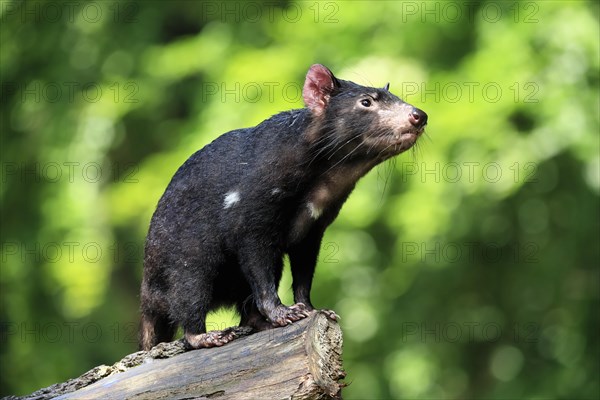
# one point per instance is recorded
(230, 199)
(275, 191)
(315, 212)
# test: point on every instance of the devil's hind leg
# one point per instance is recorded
(251, 317)
(155, 329)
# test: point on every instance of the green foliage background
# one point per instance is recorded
(468, 269)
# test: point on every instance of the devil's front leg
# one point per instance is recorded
(303, 260)
(262, 266)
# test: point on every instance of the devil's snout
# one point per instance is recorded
(417, 118)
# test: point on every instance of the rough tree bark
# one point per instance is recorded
(300, 361)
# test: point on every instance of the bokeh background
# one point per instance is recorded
(465, 269)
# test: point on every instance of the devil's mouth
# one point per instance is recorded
(395, 143)
(408, 137)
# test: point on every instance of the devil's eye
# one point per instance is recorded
(365, 103)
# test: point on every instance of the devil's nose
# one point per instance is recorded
(417, 118)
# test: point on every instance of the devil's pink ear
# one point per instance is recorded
(318, 86)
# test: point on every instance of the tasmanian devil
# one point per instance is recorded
(236, 207)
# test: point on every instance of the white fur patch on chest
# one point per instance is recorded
(314, 210)
(230, 199)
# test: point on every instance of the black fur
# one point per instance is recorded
(236, 207)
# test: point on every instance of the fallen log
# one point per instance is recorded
(299, 361)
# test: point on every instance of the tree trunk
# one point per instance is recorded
(300, 361)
